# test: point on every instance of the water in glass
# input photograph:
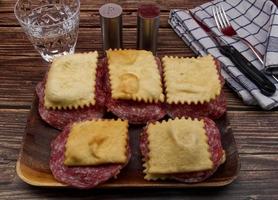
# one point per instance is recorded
(52, 28)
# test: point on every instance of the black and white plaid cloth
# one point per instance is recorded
(254, 20)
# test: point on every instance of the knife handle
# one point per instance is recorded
(250, 71)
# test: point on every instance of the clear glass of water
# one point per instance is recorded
(51, 25)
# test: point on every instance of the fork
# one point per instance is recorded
(223, 24)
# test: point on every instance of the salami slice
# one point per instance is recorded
(216, 150)
(60, 118)
(81, 177)
(213, 109)
(134, 112)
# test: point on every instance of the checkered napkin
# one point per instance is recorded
(254, 20)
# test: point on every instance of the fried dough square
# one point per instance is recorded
(191, 80)
(177, 146)
(134, 75)
(71, 81)
(97, 142)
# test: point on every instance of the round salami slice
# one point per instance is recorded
(60, 118)
(134, 112)
(81, 177)
(216, 150)
(213, 109)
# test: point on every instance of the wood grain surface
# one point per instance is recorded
(255, 131)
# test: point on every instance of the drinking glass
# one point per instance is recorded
(50, 25)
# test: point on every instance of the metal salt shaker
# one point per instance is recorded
(147, 27)
(111, 26)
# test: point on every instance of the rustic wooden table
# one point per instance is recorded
(256, 131)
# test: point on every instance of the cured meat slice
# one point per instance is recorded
(60, 118)
(214, 109)
(134, 112)
(217, 152)
(81, 177)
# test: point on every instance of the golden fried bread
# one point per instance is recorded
(97, 142)
(190, 80)
(134, 75)
(71, 81)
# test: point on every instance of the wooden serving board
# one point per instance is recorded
(32, 165)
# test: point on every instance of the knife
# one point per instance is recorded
(247, 68)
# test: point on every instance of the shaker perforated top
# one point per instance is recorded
(110, 10)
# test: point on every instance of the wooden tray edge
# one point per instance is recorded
(23, 170)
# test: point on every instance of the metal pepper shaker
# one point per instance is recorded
(147, 27)
(111, 25)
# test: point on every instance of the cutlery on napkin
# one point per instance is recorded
(256, 21)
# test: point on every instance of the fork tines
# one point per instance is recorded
(220, 17)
